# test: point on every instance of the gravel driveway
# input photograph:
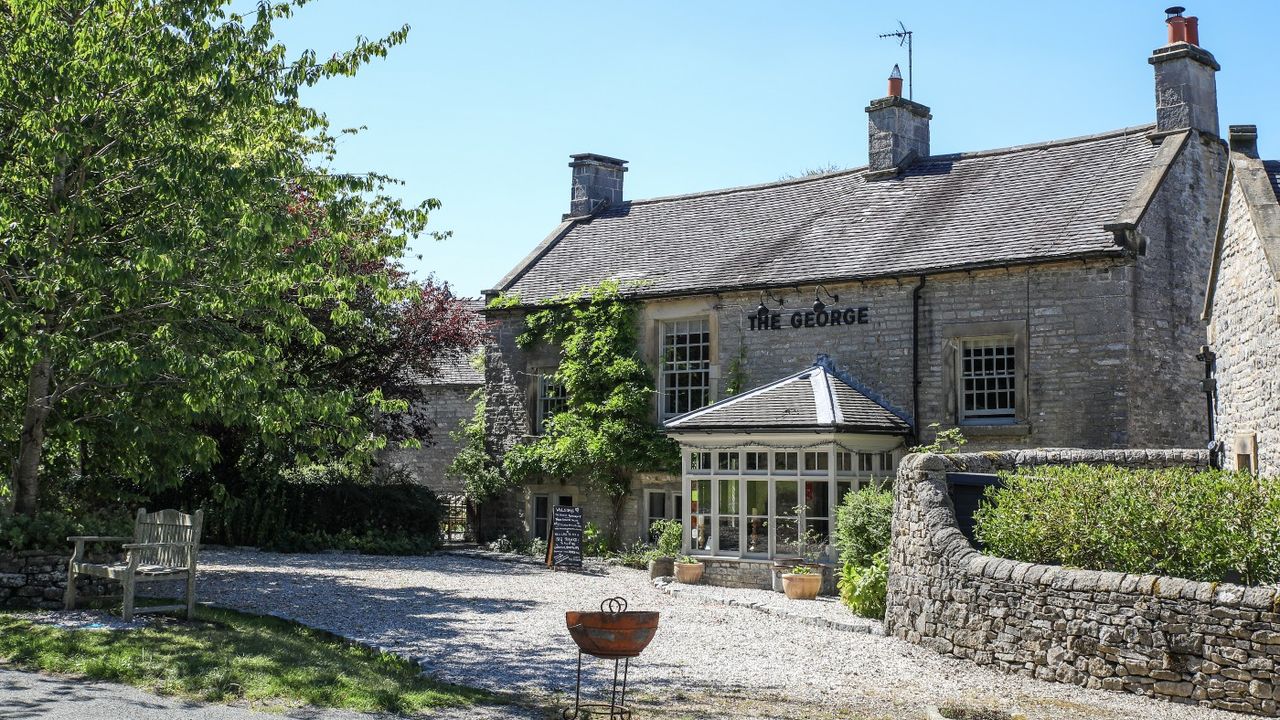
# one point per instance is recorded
(500, 625)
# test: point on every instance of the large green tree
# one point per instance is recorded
(154, 264)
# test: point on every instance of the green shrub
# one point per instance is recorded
(865, 589)
(637, 555)
(594, 542)
(1208, 526)
(321, 508)
(49, 530)
(369, 542)
(863, 525)
(670, 534)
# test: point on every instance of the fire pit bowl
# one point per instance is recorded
(613, 632)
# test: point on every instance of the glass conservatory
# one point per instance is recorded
(765, 470)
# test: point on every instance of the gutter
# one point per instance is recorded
(781, 430)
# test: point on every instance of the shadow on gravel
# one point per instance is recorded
(59, 692)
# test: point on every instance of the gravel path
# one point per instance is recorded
(500, 625)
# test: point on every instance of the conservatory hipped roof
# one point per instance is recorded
(814, 399)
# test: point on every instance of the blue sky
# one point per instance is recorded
(484, 103)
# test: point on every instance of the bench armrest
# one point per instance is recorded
(98, 538)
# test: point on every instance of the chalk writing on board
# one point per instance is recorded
(564, 549)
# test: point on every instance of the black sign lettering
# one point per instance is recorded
(834, 317)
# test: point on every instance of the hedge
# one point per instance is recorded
(1201, 525)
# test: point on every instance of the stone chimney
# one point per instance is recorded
(898, 131)
(1186, 88)
(597, 183)
(1244, 139)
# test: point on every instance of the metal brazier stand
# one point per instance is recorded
(614, 634)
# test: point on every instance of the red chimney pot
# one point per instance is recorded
(1193, 30)
(895, 82)
(1177, 29)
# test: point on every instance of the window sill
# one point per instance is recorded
(1018, 429)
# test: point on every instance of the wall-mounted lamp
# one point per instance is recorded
(818, 292)
(762, 311)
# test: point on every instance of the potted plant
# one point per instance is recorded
(812, 547)
(670, 536)
(688, 570)
(802, 583)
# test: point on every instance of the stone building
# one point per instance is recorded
(1038, 295)
(1242, 309)
(449, 401)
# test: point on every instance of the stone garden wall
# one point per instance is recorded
(36, 579)
(1207, 643)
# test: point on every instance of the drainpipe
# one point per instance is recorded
(915, 357)
(1209, 385)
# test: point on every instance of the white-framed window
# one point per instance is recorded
(541, 515)
(551, 400)
(786, 462)
(866, 463)
(727, 462)
(756, 462)
(844, 463)
(661, 505)
(886, 463)
(685, 373)
(987, 385)
(816, 463)
(699, 462)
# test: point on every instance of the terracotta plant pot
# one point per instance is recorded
(802, 587)
(689, 573)
(661, 567)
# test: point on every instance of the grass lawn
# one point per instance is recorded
(226, 656)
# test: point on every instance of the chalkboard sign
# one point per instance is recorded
(565, 547)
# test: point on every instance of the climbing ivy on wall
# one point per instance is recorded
(607, 430)
(736, 380)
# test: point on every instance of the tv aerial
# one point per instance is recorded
(904, 38)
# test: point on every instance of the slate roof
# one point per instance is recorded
(812, 399)
(1019, 204)
(456, 369)
(1273, 172)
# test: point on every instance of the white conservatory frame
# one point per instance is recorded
(837, 481)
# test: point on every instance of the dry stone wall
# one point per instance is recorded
(35, 579)
(1208, 643)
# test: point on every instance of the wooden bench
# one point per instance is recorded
(164, 547)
